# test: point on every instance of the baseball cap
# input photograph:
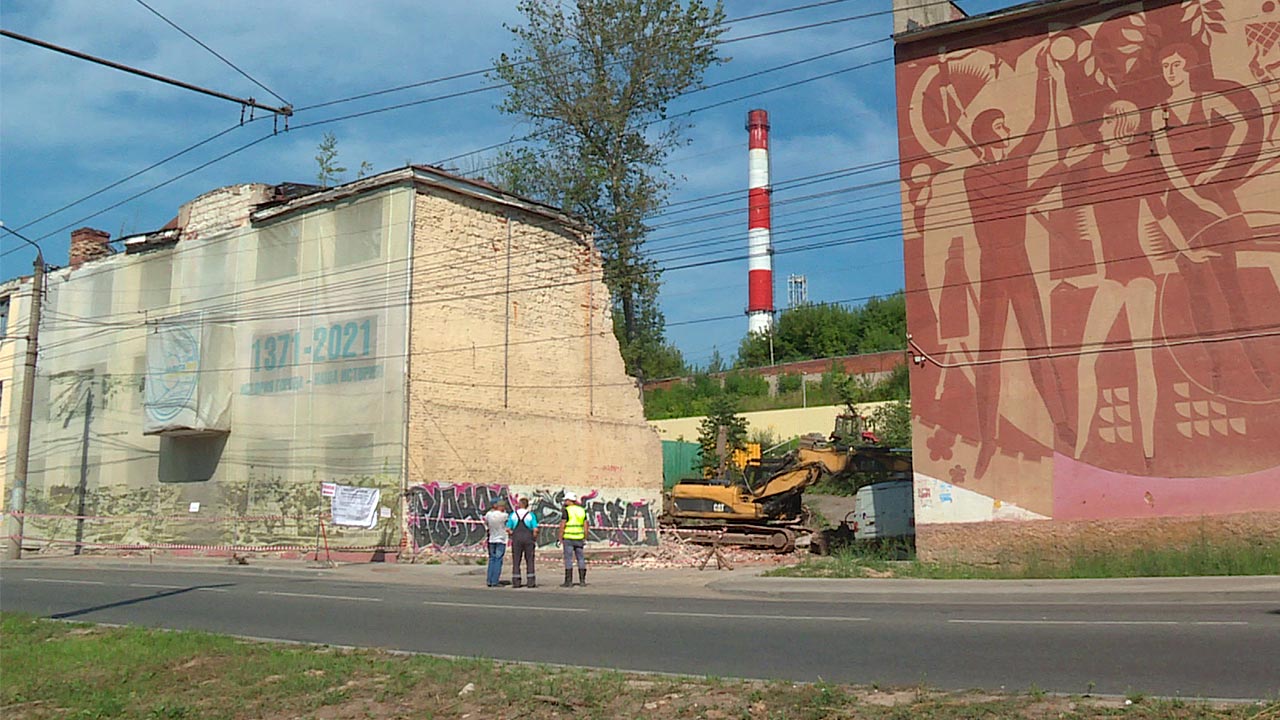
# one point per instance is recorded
(571, 497)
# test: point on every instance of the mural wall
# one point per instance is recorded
(1092, 247)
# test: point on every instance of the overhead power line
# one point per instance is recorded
(215, 53)
(260, 309)
(284, 110)
(424, 101)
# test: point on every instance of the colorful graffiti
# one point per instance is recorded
(446, 515)
(1093, 257)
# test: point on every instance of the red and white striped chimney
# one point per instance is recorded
(759, 245)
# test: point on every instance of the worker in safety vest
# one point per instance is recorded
(573, 536)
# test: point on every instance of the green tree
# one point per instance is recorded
(809, 332)
(883, 324)
(722, 412)
(594, 80)
(327, 159)
(891, 423)
(716, 363)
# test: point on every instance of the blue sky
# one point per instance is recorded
(69, 128)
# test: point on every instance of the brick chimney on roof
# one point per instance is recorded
(88, 244)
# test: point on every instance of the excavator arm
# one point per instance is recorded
(809, 466)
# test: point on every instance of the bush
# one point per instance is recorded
(789, 382)
(742, 384)
(892, 424)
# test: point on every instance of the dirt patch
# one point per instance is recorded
(833, 508)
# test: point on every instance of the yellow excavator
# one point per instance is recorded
(761, 506)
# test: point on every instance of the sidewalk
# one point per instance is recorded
(745, 582)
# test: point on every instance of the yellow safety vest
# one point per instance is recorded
(575, 523)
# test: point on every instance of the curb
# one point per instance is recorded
(795, 588)
(49, 563)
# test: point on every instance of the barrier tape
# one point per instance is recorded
(189, 518)
(412, 518)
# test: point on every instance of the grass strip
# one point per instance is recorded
(68, 670)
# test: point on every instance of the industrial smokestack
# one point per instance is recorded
(759, 245)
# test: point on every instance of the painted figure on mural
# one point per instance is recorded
(1199, 158)
(1127, 279)
(1263, 39)
(1000, 193)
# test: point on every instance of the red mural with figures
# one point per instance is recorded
(1091, 215)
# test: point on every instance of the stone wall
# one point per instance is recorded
(514, 375)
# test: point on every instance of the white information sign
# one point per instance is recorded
(357, 506)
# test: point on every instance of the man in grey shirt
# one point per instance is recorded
(496, 523)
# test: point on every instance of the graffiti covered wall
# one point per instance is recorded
(1092, 248)
(445, 515)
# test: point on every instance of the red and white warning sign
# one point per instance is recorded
(328, 489)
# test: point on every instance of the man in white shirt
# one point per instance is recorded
(496, 522)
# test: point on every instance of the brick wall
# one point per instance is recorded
(873, 366)
(526, 388)
(221, 209)
(88, 244)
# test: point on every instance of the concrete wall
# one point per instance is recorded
(1091, 264)
(915, 14)
(515, 376)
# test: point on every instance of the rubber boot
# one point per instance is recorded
(582, 576)
(532, 582)
(517, 582)
(568, 578)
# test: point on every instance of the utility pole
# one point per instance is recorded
(83, 489)
(18, 496)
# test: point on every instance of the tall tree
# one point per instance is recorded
(594, 81)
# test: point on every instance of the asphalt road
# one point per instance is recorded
(1180, 639)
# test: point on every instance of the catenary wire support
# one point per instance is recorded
(285, 110)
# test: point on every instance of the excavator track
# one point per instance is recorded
(760, 537)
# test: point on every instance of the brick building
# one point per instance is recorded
(414, 332)
(1092, 271)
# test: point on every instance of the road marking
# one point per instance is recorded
(1065, 622)
(177, 587)
(1220, 622)
(504, 607)
(761, 617)
(320, 597)
(67, 582)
